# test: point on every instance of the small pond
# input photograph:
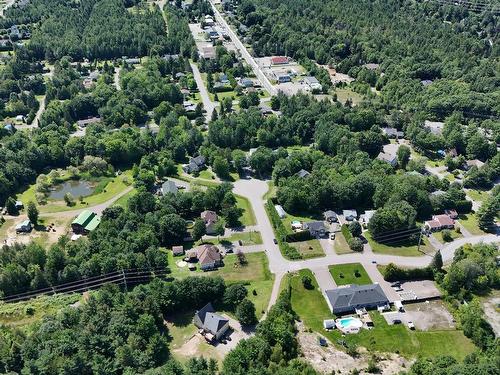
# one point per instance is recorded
(76, 188)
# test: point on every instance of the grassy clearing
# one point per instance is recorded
(469, 221)
(309, 249)
(122, 201)
(403, 249)
(439, 236)
(255, 275)
(246, 238)
(248, 217)
(102, 194)
(340, 245)
(180, 329)
(207, 174)
(352, 273)
(19, 315)
(478, 195)
(312, 309)
(344, 94)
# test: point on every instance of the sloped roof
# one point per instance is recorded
(84, 217)
(208, 254)
(356, 295)
(303, 173)
(315, 225)
(208, 308)
(93, 224)
(214, 322)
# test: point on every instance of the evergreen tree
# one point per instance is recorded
(32, 213)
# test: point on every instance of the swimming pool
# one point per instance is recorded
(349, 324)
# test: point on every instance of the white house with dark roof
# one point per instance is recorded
(214, 326)
(348, 299)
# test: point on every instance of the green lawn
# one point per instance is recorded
(207, 174)
(247, 239)
(340, 245)
(255, 275)
(351, 273)
(102, 194)
(403, 249)
(122, 201)
(309, 249)
(478, 195)
(439, 235)
(344, 94)
(312, 309)
(287, 220)
(248, 217)
(271, 193)
(470, 223)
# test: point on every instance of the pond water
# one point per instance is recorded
(76, 188)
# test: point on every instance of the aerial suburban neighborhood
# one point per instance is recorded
(205, 187)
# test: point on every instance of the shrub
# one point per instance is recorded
(345, 231)
(307, 282)
(446, 234)
(394, 273)
(355, 244)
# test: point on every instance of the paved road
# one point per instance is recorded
(254, 191)
(116, 78)
(244, 52)
(205, 97)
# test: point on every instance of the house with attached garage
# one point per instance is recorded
(315, 228)
(214, 326)
(210, 218)
(195, 164)
(347, 299)
(169, 187)
(388, 158)
(208, 256)
(440, 222)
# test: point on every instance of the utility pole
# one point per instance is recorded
(124, 280)
(420, 239)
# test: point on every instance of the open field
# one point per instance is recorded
(351, 273)
(312, 309)
(248, 217)
(439, 236)
(340, 245)
(255, 275)
(22, 314)
(478, 195)
(402, 249)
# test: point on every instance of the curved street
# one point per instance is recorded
(254, 190)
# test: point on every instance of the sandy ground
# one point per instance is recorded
(430, 315)
(46, 237)
(332, 360)
(492, 311)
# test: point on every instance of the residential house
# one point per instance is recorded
(436, 127)
(393, 133)
(208, 53)
(366, 217)
(133, 61)
(178, 250)
(330, 216)
(315, 228)
(84, 123)
(195, 164)
(207, 255)
(208, 20)
(473, 163)
(439, 222)
(24, 227)
(388, 158)
(281, 212)
(210, 219)
(313, 83)
(426, 82)
(246, 82)
(348, 299)
(453, 214)
(283, 78)
(169, 187)
(279, 60)
(371, 66)
(85, 222)
(10, 128)
(213, 325)
(350, 215)
(302, 173)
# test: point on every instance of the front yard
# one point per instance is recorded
(402, 249)
(309, 249)
(351, 273)
(469, 221)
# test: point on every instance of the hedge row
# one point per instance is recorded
(288, 251)
(394, 273)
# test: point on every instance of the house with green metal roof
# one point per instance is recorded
(86, 222)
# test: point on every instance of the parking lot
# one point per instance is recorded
(293, 69)
(418, 290)
(426, 316)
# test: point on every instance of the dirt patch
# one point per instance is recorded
(491, 307)
(430, 315)
(332, 360)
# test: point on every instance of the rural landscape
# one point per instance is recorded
(249, 187)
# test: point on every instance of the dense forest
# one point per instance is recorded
(93, 29)
(453, 48)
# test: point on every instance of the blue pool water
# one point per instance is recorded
(347, 322)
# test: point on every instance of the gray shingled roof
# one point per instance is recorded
(208, 308)
(356, 295)
(213, 322)
(315, 226)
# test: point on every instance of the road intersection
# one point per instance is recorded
(254, 190)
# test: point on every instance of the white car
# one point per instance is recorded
(411, 325)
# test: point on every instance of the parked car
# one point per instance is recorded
(332, 236)
(411, 325)
(275, 241)
(240, 242)
(396, 321)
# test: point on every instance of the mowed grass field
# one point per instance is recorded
(351, 273)
(312, 309)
